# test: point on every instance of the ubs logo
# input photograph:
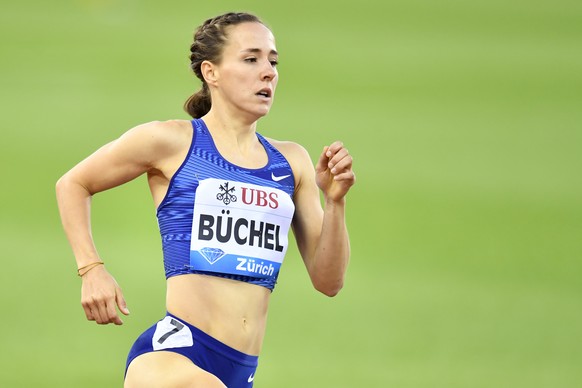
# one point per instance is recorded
(226, 194)
(250, 196)
(260, 198)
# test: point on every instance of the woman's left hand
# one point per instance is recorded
(334, 175)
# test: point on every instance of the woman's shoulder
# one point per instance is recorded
(162, 133)
(164, 128)
(289, 149)
(295, 153)
(156, 141)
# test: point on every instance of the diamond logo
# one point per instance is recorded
(212, 255)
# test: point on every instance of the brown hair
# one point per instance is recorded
(209, 40)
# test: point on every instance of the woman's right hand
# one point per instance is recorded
(100, 295)
(152, 148)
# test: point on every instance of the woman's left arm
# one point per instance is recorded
(321, 233)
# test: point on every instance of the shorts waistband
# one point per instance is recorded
(219, 347)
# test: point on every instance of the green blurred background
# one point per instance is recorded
(465, 122)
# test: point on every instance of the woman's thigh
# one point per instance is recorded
(168, 370)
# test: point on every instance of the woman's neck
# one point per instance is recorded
(236, 125)
(236, 140)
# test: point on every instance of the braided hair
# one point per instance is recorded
(208, 45)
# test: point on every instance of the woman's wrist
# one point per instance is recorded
(86, 268)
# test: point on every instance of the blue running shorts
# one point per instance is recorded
(235, 369)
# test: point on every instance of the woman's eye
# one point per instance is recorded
(250, 60)
(274, 63)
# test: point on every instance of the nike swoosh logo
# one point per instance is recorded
(251, 378)
(279, 178)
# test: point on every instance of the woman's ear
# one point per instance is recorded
(209, 72)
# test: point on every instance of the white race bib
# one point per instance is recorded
(171, 333)
(240, 228)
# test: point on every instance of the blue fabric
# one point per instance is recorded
(235, 369)
(203, 161)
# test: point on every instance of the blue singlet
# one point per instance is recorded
(241, 218)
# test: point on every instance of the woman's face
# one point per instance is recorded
(247, 76)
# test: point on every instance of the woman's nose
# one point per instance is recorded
(269, 72)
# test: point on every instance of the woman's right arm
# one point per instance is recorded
(145, 148)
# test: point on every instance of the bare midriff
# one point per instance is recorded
(233, 312)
